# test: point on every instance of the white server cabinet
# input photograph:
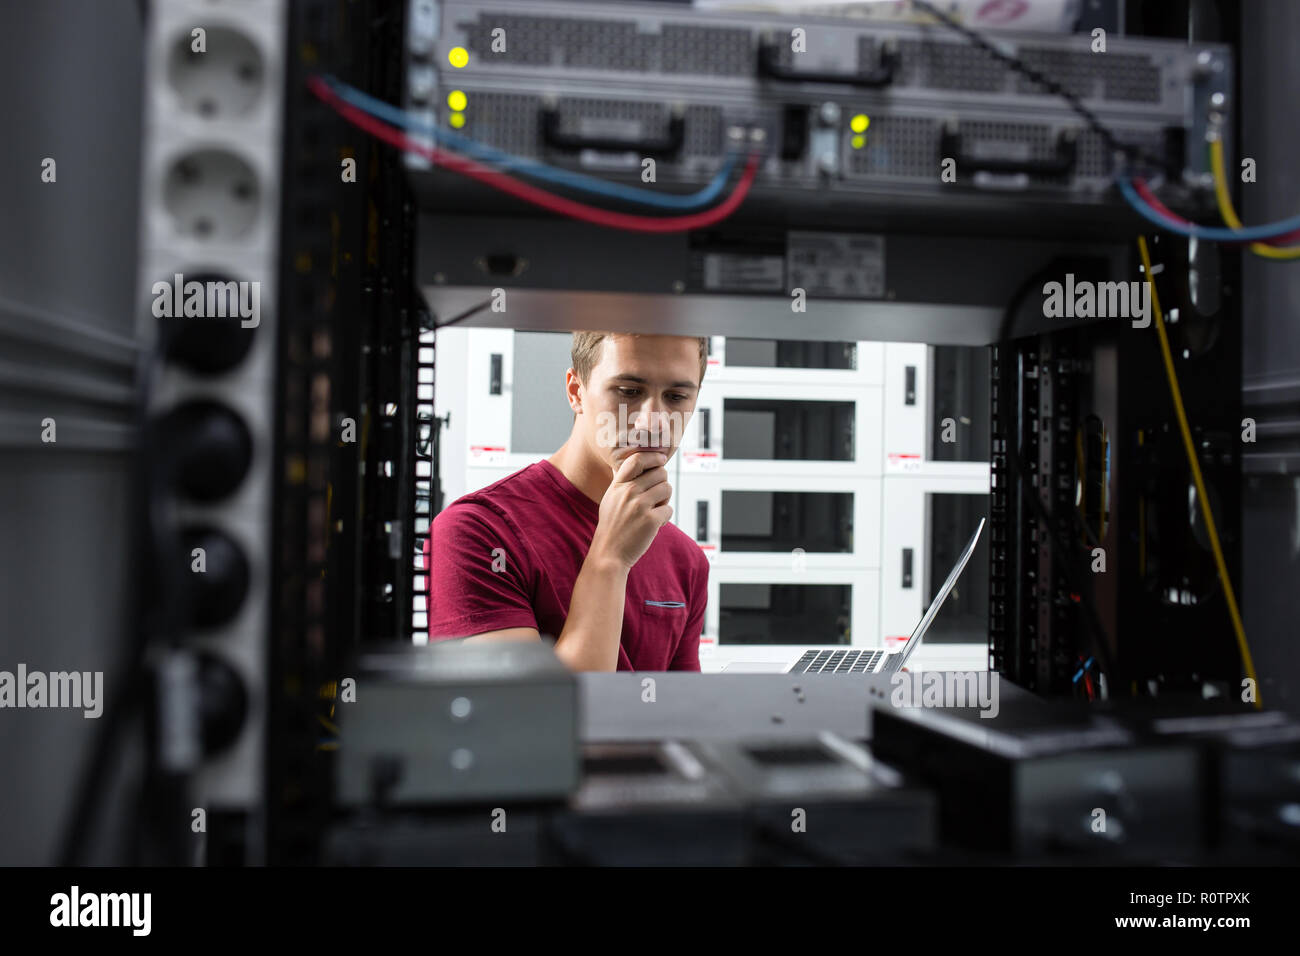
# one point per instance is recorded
(935, 408)
(925, 522)
(790, 428)
(766, 361)
(906, 412)
(515, 410)
(776, 613)
(767, 521)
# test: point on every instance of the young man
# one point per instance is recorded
(579, 547)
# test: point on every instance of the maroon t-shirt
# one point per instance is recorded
(509, 555)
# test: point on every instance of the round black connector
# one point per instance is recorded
(218, 590)
(219, 339)
(210, 447)
(223, 704)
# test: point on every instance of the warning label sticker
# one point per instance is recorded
(845, 265)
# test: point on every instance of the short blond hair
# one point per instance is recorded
(586, 352)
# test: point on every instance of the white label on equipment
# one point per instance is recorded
(487, 455)
(700, 461)
(725, 271)
(895, 462)
(836, 264)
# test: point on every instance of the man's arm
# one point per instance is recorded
(594, 627)
(634, 508)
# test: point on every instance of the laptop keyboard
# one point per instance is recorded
(837, 662)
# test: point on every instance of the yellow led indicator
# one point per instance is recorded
(458, 56)
(860, 123)
(859, 141)
(457, 120)
(456, 100)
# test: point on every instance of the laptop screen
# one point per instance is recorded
(914, 641)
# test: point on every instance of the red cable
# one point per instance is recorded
(539, 197)
(1150, 199)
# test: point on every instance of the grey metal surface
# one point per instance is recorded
(1271, 347)
(766, 316)
(1270, 289)
(938, 289)
(540, 422)
(699, 706)
(622, 38)
(67, 301)
(457, 723)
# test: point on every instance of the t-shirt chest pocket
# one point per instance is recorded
(663, 612)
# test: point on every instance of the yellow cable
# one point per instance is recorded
(327, 724)
(1196, 475)
(1230, 215)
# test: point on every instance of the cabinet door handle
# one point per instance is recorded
(494, 375)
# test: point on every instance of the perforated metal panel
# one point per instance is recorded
(509, 121)
(506, 120)
(1107, 76)
(900, 146)
(720, 51)
(949, 66)
(906, 146)
(621, 69)
(561, 41)
(616, 43)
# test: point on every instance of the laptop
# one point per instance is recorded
(840, 660)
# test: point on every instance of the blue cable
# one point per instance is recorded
(1252, 234)
(563, 177)
(1079, 673)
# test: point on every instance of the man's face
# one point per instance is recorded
(639, 396)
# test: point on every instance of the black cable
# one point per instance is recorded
(157, 615)
(154, 597)
(468, 313)
(1052, 86)
(1007, 327)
